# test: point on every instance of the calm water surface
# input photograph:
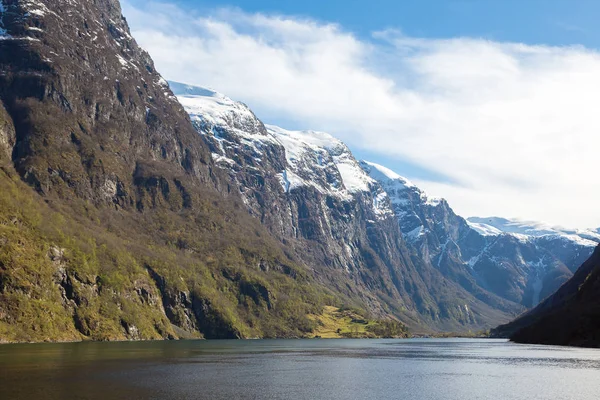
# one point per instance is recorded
(299, 369)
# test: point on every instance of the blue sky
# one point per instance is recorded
(554, 22)
(490, 104)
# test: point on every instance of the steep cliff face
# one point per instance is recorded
(523, 266)
(124, 228)
(308, 190)
(568, 317)
(91, 114)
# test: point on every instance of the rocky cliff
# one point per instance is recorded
(123, 218)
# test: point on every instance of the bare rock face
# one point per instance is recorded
(360, 223)
(128, 219)
(7, 136)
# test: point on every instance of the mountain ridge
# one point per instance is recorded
(532, 228)
(314, 185)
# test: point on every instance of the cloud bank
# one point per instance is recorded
(514, 127)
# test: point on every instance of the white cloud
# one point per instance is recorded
(515, 127)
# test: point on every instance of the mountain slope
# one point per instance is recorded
(114, 221)
(308, 190)
(568, 317)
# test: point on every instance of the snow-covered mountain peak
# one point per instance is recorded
(307, 150)
(381, 173)
(314, 139)
(484, 229)
(507, 225)
(313, 158)
(208, 107)
(182, 89)
(401, 190)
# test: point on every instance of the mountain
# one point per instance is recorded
(522, 266)
(568, 317)
(308, 190)
(115, 222)
(502, 268)
(119, 221)
(130, 213)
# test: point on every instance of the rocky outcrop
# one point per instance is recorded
(89, 111)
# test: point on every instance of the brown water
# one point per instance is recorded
(299, 369)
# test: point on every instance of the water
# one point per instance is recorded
(299, 369)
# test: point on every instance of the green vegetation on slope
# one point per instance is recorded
(83, 273)
(337, 322)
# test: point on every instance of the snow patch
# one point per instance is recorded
(415, 233)
(124, 62)
(306, 150)
(162, 82)
(218, 158)
(433, 201)
(215, 109)
(484, 229)
(381, 205)
(290, 181)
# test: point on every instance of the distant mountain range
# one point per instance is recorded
(497, 225)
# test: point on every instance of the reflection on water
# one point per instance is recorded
(299, 369)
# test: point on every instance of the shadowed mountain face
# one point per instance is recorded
(569, 317)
